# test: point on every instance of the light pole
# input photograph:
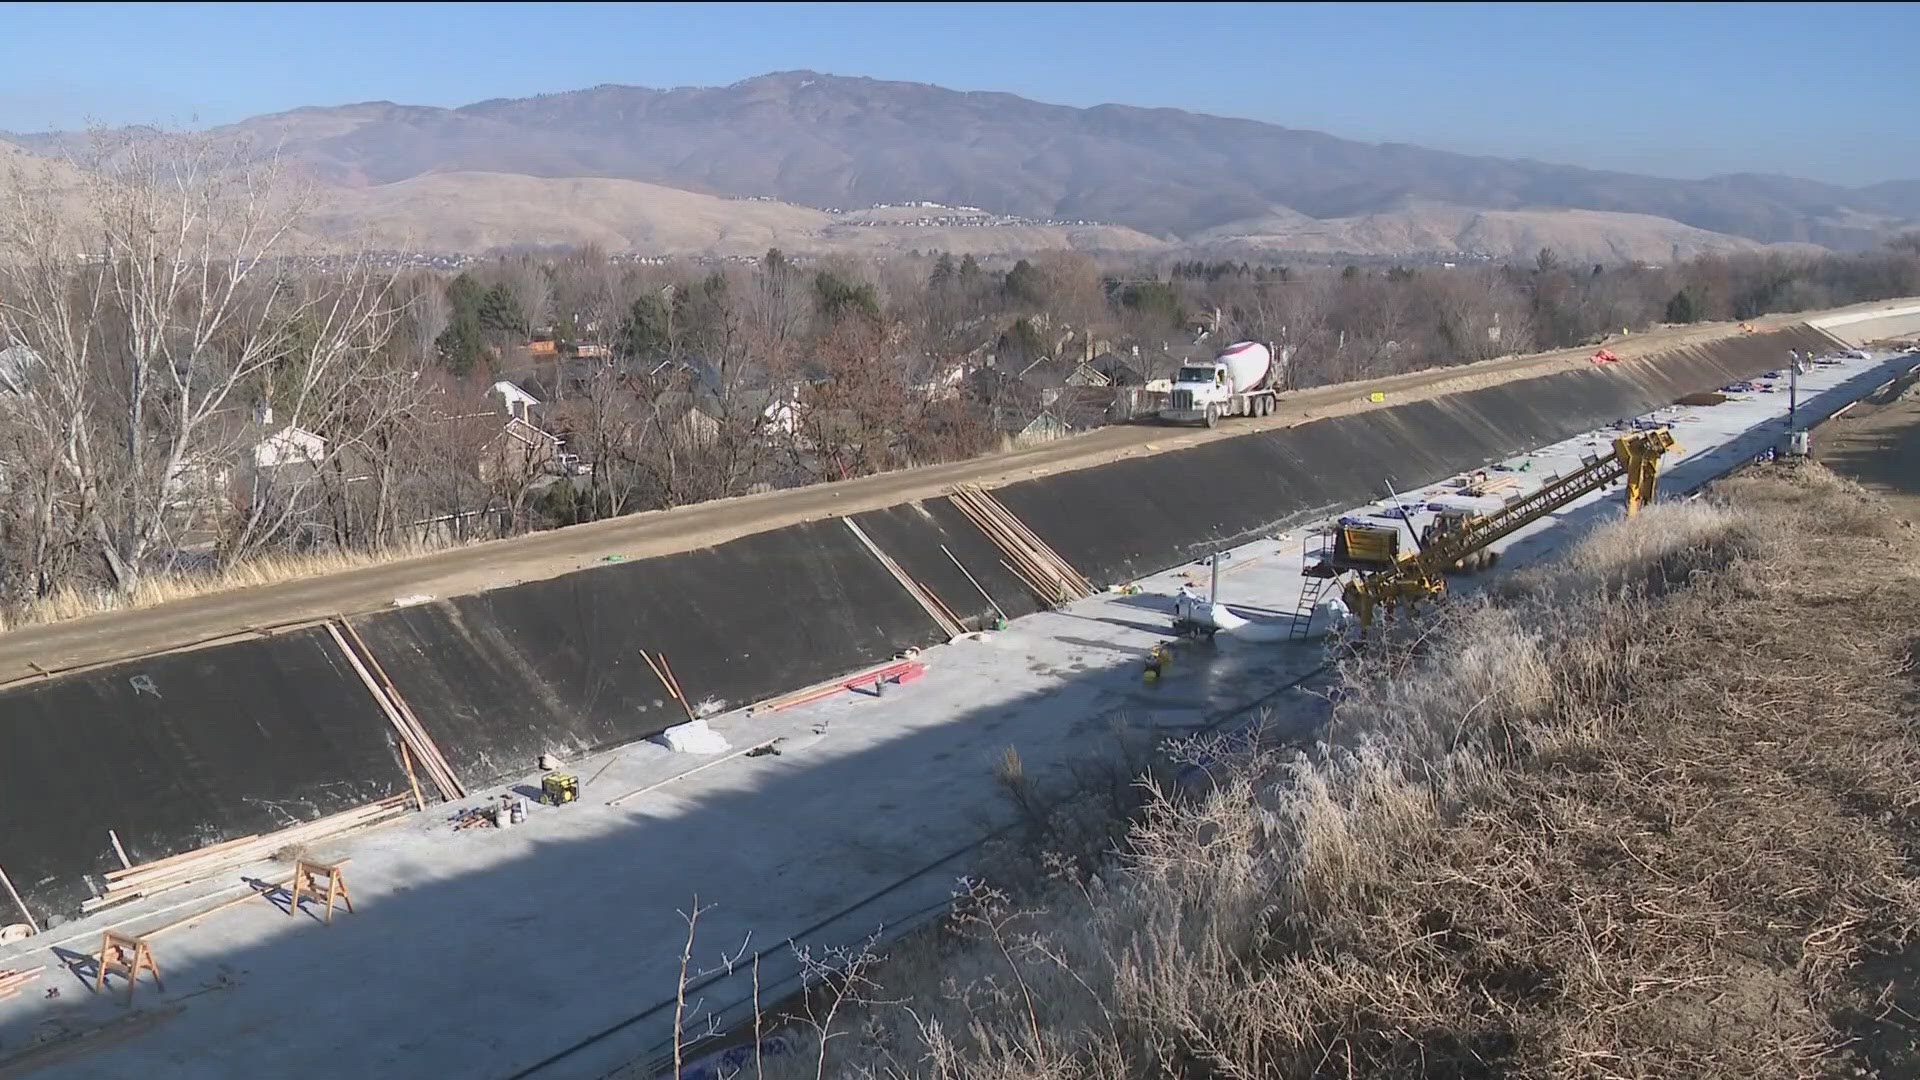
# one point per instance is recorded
(1793, 389)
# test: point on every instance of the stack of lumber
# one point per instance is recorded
(1495, 486)
(897, 671)
(12, 981)
(414, 740)
(942, 616)
(220, 860)
(1050, 577)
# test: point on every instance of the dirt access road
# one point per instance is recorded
(35, 651)
(1877, 443)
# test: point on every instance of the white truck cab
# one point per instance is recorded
(1239, 382)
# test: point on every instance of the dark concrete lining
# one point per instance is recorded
(554, 666)
(178, 751)
(912, 535)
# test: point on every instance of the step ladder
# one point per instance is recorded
(1312, 588)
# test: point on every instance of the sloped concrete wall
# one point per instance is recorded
(186, 749)
(554, 666)
(178, 751)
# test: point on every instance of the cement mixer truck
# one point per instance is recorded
(1238, 382)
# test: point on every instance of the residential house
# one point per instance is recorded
(523, 448)
(287, 445)
(518, 403)
(1114, 369)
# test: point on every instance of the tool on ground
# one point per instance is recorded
(557, 789)
(1158, 658)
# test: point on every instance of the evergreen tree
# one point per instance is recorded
(837, 297)
(646, 332)
(1024, 283)
(462, 346)
(943, 272)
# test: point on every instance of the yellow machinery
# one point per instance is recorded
(1421, 576)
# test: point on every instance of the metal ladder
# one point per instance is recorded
(1312, 588)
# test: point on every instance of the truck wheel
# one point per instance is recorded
(1266, 406)
(1213, 416)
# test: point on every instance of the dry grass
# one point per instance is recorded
(161, 587)
(1653, 814)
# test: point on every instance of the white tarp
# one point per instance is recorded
(694, 737)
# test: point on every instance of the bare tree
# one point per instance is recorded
(586, 296)
(776, 310)
(530, 286)
(157, 307)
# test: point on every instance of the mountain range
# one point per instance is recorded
(793, 157)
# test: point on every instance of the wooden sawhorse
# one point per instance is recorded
(309, 876)
(123, 954)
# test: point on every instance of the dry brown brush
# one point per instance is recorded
(1651, 813)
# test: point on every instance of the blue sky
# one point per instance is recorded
(1824, 91)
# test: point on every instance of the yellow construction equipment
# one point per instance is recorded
(1421, 577)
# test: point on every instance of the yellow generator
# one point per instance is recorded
(557, 788)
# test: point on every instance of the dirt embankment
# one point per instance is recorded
(1649, 813)
(1877, 443)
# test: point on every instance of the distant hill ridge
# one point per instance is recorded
(835, 142)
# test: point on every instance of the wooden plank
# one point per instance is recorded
(12, 981)
(251, 894)
(413, 781)
(666, 680)
(1042, 569)
(822, 689)
(618, 799)
(921, 594)
(874, 677)
(202, 874)
(258, 849)
(118, 851)
(453, 784)
(17, 902)
(403, 722)
(976, 584)
(114, 875)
